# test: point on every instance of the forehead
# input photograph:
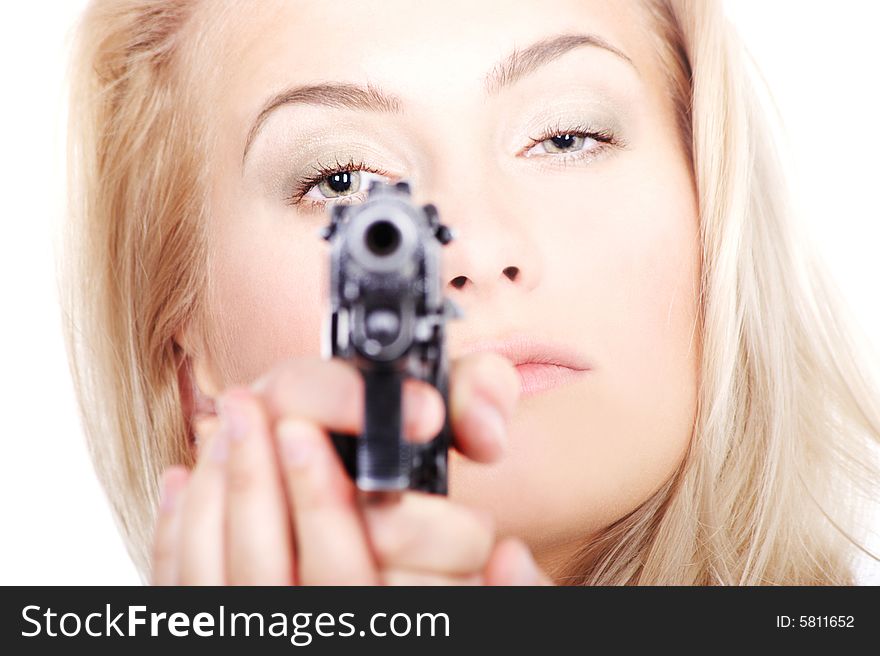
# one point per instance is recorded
(416, 49)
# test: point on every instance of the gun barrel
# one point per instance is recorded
(383, 239)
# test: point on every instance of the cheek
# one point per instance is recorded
(651, 328)
(270, 279)
(592, 452)
(642, 401)
(626, 253)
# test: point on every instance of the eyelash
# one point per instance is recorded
(323, 171)
(606, 139)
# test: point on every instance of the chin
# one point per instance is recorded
(504, 493)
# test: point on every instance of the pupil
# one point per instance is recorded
(564, 141)
(339, 182)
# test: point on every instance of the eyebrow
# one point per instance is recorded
(344, 95)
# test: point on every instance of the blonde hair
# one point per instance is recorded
(769, 490)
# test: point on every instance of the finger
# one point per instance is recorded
(203, 511)
(484, 389)
(332, 547)
(165, 538)
(511, 563)
(259, 544)
(405, 577)
(422, 410)
(330, 393)
(204, 429)
(429, 533)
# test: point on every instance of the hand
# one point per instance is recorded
(269, 501)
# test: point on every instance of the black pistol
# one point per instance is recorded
(388, 315)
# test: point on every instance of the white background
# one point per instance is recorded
(820, 59)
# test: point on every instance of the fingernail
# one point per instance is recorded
(297, 447)
(417, 405)
(234, 415)
(493, 422)
(413, 406)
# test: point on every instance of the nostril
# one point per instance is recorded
(511, 272)
(458, 282)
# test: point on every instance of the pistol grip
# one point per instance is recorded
(383, 451)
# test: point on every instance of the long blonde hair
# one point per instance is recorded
(774, 487)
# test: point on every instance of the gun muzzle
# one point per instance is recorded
(383, 241)
(382, 238)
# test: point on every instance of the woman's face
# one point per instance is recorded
(604, 235)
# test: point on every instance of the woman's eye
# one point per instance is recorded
(340, 185)
(564, 143)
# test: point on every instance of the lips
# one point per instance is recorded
(541, 364)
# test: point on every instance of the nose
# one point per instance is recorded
(493, 254)
(460, 282)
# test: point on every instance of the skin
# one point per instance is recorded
(607, 247)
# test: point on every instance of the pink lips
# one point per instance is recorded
(542, 365)
(535, 377)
